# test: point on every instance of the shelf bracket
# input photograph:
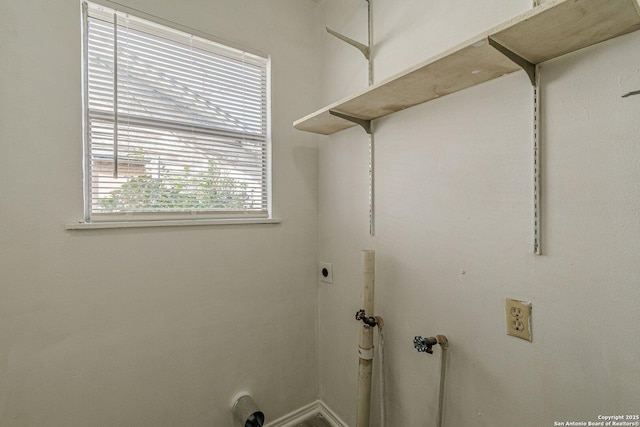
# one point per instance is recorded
(361, 47)
(635, 92)
(367, 51)
(537, 159)
(366, 124)
(527, 66)
(533, 71)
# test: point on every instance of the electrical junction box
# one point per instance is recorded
(325, 270)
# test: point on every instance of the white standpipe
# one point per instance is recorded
(425, 345)
(365, 347)
(444, 345)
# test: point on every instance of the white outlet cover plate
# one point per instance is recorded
(518, 318)
(325, 270)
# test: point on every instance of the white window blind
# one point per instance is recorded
(175, 124)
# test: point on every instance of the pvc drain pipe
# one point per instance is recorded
(246, 412)
(444, 344)
(365, 346)
(425, 345)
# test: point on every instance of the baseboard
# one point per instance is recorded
(330, 416)
(299, 415)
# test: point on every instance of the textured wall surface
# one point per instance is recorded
(454, 228)
(160, 327)
(149, 327)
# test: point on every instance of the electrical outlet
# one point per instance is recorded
(326, 272)
(518, 318)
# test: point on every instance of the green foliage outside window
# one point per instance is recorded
(185, 190)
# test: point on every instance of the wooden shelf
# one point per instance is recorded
(553, 29)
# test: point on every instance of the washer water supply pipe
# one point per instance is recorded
(365, 346)
(425, 345)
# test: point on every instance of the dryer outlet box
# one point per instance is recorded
(325, 270)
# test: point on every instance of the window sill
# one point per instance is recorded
(168, 223)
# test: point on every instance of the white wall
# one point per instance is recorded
(153, 327)
(454, 193)
(149, 327)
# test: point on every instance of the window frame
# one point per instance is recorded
(178, 217)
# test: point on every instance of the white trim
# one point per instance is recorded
(169, 223)
(86, 156)
(245, 104)
(269, 141)
(296, 417)
(176, 26)
(331, 416)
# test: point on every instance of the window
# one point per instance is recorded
(175, 124)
